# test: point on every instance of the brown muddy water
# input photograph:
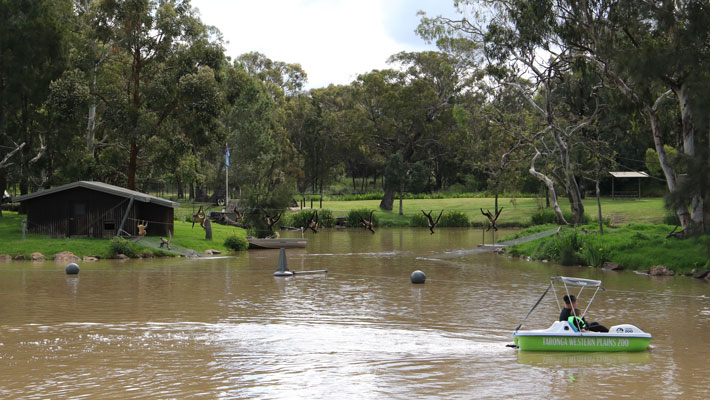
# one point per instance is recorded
(227, 328)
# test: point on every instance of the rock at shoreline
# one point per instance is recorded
(702, 274)
(612, 266)
(212, 252)
(66, 256)
(90, 258)
(660, 270)
(191, 253)
(19, 257)
(5, 258)
(122, 256)
(36, 257)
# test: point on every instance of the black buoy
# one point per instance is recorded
(72, 269)
(418, 277)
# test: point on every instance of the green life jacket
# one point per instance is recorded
(577, 323)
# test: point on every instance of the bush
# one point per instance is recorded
(548, 216)
(236, 242)
(419, 220)
(300, 218)
(120, 245)
(353, 220)
(145, 253)
(671, 219)
(570, 245)
(454, 219)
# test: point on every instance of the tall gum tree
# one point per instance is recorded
(154, 45)
(514, 48)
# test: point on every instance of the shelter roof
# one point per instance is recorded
(629, 174)
(101, 187)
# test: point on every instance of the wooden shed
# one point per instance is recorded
(95, 209)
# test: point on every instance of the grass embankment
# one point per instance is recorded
(11, 240)
(517, 212)
(634, 246)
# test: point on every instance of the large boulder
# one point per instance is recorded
(5, 258)
(66, 256)
(37, 256)
(702, 274)
(660, 270)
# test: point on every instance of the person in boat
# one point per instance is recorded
(567, 314)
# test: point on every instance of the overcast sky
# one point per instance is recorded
(333, 40)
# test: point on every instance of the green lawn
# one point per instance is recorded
(634, 246)
(516, 212)
(11, 239)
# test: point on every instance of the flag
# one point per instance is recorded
(227, 157)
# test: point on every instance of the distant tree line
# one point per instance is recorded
(544, 95)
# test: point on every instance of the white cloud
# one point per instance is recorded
(333, 40)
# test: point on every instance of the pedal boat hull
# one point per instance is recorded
(561, 337)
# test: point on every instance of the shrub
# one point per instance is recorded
(120, 245)
(454, 219)
(594, 254)
(671, 219)
(548, 216)
(570, 245)
(419, 220)
(236, 242)
(353, 220)
(300, 218)
(145, 253)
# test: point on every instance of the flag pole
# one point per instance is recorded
(226, 183)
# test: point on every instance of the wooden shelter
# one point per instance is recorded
(627, 174)
(95, 209)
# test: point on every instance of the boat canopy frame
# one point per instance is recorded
(582, 283)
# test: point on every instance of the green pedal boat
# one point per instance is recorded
(563, 336)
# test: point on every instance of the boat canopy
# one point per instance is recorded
(577, 281)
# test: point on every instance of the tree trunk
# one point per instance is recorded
(387, 200)
(575, 197)
(133, 166)
(208, 229)
(550, 188)
(668, 172)
(401, 196)
(696, 202)
(599, 206)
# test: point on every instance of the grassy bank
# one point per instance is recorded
(634, 246)
(516, 212)
(11, 240)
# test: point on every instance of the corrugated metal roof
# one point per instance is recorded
(102, 187)
(629, 174)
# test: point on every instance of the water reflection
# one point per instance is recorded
(227, 328)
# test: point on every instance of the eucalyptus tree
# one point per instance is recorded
(513, 41)
(156, 46)
(410, 112)
(33, 49)
(651, 52)
(281, 78)
(262, 153)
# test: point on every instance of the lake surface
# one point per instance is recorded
(227, 328)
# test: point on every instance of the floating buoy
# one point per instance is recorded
(72, 269)
(283, 265)
(418, 277)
